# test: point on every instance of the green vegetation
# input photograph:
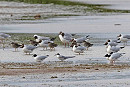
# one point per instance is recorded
(25, 37)
(91, 7)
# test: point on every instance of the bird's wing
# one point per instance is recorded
(41, 57)
(69, 57)
(126, 36)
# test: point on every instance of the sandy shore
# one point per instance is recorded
(74, 76)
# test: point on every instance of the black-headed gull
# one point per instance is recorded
(65, 38)
(112, 57)
(28, 48)
(15, 45)
(78, 49)
(124, 38)
(39, 58)
(113, 49)
(62, 58)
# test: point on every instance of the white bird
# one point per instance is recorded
(62, 58)
(38, 38)
(112, 57)
(65, 38)
(112, 42)
(113, 49)
(28, 48)
(78, 49)
(124, 38)
(39, 58)
(81, 39)
(44, 43)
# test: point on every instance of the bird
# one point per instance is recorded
(78, 49)
(16, 46)
(3, 37)
(112, 57)
(111, 42)
(73, 43)
(62, 58)
(87, 44)
(52, 45)
(124, 38)
(39, 58)
(44, 43)
(34, 42)
(65, 38)
(38, 38)
(113, 49)
(38, 16)
(81, 39)
(28, 48)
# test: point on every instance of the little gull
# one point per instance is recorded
(62, 58)
(81, 39)
(112, 57)
(124, 38)
(39, 58)
(113, 49)
(28, 48)
(38, 38)
(16, 46)
(78, 49)
(87, 44)
(44, 43)
(3, 37)
(52, 45)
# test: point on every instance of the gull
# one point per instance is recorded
(28, 48)
(87, 44)
(112, 57)
(73, 43)
(3, 37)
(38, 38)
(16, 46)
(33, 42)
(65, 38)
(124, 38)
(78, 49)
(52, 45)
(113, 49)
(62, 58)
(81, 39)
(39, 58)
(44, 43)
(111, 42)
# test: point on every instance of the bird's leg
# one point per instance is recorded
(68, 44)
(65, 44)
(79, 53)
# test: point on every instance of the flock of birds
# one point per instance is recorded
(79, 45)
